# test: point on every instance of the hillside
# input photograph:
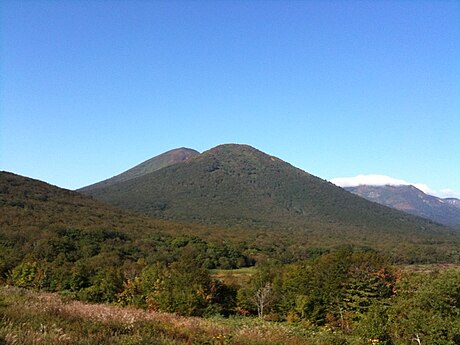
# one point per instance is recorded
(39, 221)
(158, 162)
(412, 200)
(30, 206)
(237, 185)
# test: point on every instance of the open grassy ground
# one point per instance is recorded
(28, 317)
(237, 277)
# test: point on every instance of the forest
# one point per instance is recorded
(343, 296)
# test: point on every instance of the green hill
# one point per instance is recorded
(239, 186)
(30, 206)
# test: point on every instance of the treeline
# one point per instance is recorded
(355, 295)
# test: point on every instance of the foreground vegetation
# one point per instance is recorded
(51, 319)
(423, 308)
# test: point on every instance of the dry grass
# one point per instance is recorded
(43, 318)
(236, 277)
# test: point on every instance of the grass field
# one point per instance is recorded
(238, 276)
(28, 317)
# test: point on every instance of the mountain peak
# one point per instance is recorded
(180, 154)
(234, 148)
(240, 152)
(161, 161)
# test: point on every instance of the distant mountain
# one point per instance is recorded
(238, 185)
(158, 162)
(412, 200)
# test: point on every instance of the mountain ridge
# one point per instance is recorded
(412, 200)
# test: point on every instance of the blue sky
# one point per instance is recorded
(338, 88)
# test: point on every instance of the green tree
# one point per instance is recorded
(184, 287)
(336, 288)
(26, 275)
(427, 308)
(106, 284)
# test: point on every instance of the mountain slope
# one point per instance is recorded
(156, 163)
(412, 200)
(29, 206)
(237, 185)
(39, 221)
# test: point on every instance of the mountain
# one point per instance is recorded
(240, 186)
(161, 161)
(412, 200)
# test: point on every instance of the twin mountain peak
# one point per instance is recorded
(222, 152)
(238, 185)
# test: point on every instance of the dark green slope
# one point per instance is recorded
(29, 208)
(156, 163)
(39, 221)
(237, 185)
